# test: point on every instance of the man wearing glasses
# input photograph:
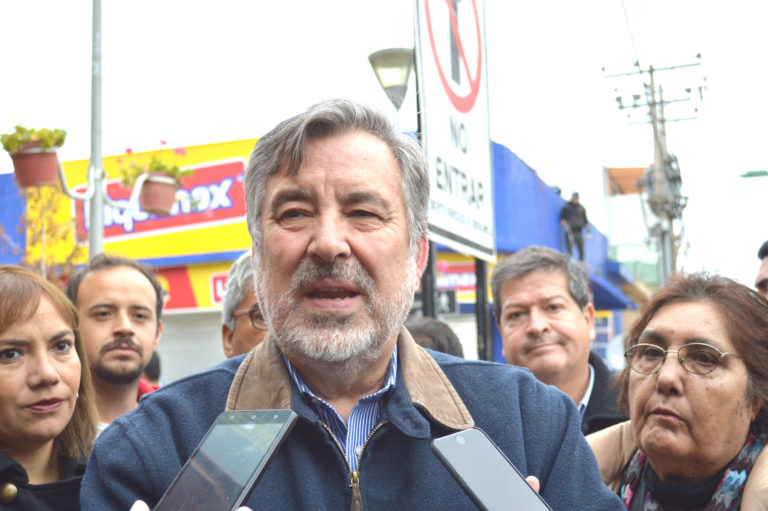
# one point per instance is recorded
(242, 325)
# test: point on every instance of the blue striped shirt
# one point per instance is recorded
(363, 418)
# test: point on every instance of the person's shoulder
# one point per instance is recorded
(449, 363)
(469, 376)
(755, 494)
(209, 380)
(181, 401)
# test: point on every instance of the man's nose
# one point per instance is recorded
(330, 239)
(123, 323)
(537, 321)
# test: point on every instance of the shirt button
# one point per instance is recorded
(359, 450)
(8, 493)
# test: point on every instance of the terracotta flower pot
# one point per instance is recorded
(158, 193)
(34, 166)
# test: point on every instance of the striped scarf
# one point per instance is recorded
(727, 496)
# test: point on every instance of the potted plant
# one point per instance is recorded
(157, 180)
(33, 152)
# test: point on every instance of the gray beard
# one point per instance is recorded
(340, 346)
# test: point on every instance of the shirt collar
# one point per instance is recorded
(389, 381)
(588, 393)
(262, 382)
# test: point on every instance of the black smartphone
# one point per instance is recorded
(225, 467)
(485, 474)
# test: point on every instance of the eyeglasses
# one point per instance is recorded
(696, 357)
(254, 313)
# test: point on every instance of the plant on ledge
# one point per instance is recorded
(25, 138)
(157, 180)
(35, 162)
(155, 166)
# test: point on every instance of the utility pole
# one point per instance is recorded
(662, 181)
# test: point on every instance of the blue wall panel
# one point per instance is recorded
(12, 208)
(527, 211)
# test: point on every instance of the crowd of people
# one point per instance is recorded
(315, 318)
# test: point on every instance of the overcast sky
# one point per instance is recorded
(193, 72)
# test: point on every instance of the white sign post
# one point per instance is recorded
(453, 101)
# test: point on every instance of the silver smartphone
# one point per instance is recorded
(225, 467)
(485, 474)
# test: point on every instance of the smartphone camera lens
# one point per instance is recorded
(460, 440)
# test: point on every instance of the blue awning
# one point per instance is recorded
(607, 296)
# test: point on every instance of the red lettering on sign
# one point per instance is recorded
(462, 103)
(212, 194)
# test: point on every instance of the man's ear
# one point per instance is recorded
(589, 317)
(159, 333)
(422, 255)
(226, 340)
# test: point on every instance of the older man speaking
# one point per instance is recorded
(337, 209)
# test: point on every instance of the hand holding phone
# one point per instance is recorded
(224, 468)
(485, 474)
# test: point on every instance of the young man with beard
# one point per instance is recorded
(119, 302)
(547, 324)
(337, 210)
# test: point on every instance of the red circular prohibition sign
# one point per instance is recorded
(462, 103)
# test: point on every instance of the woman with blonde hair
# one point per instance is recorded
(47, 405)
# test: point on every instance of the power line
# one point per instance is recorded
(631, 35)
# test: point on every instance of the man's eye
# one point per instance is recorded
(101, 314)
(361, 213)
(292, 214)
(9, 355)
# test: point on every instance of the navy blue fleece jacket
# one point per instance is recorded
(536, 426)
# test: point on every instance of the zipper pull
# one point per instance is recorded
(357, 497)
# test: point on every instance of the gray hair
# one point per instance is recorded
(239, 282)
(282, 149)
(535, 258)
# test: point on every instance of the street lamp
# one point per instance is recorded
(393, 68)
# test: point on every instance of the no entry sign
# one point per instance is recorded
(452, 73)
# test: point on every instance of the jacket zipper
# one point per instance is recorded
(354, 475)
(357, 496)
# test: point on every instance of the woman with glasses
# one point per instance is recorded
(47, 404)
(696, 391)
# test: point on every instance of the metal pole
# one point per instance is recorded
(484, 344)
(95, 169)
(428, 278)
(659, 196)
(43, 269)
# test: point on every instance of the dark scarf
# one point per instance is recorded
(726, 496)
